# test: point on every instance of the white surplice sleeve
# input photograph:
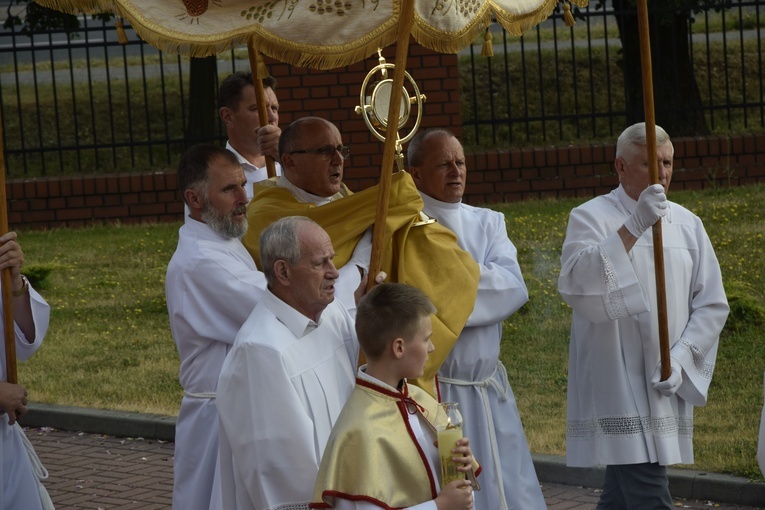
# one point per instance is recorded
(25, 347)
(696, 349)
(350, 276)
(278, 464)
(597, 278)
(501, 289)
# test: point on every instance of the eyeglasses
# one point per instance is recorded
(327, 151)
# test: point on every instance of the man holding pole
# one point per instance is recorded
(620, 412)
(248, 138)
(421, 253)
(31, 315)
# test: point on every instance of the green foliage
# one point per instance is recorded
(746, 310)
(36, 18)
(38, 273)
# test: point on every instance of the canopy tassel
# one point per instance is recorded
(568, 17)
(488, 48)
(121, 35)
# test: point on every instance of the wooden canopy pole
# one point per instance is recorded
(391, 137)
(6, 283)
(260, 95)
(653, 171)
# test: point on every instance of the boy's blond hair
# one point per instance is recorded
(387, 312)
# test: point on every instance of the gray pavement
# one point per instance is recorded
(110, 460)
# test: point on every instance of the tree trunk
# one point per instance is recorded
(203, 107)
(677, 100)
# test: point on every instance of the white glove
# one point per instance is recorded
(651, 205)
(673, 382)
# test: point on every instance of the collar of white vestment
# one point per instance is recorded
(298, 324)
(433, 205)
(242, 160)
(627, 201)
(203, 230)
(305, 197)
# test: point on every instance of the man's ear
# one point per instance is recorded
(619, 166)
(282, 272)
(415, 173)
(398, 348)
(226, 115)
(193, 199)
(287, 161)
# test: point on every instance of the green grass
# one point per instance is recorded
(109, 344)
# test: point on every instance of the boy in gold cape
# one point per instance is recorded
(381, 451)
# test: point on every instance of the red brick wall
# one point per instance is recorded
(496, 176)
(587, 170)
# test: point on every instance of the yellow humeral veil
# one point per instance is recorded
(425, 256)
(371, 454)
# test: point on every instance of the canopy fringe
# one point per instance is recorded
(323, 58)
(79, 7)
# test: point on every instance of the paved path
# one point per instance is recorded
(105, 472)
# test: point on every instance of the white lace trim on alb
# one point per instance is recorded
(613, 299)
(630, 426)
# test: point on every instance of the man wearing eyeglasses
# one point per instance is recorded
(426, 256)
(312, 173)
(313, 154)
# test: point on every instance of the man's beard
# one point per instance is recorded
(224, 224)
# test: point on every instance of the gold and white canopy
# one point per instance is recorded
(321, 34)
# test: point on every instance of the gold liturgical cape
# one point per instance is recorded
(425, 256)
(372, 454)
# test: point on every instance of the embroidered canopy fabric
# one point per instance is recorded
(321, 34)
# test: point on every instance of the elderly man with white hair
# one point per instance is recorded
(620, 413)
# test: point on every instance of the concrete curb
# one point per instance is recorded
(101, 421)
(683, 483)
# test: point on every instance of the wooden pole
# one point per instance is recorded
(391, 137)
(6, 283)
(260, 95)
(653, 171)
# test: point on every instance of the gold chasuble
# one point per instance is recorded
(425, 256)
(372, 454)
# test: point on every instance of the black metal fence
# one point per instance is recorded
(564, 85)
(79, 102)
(75, 102)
